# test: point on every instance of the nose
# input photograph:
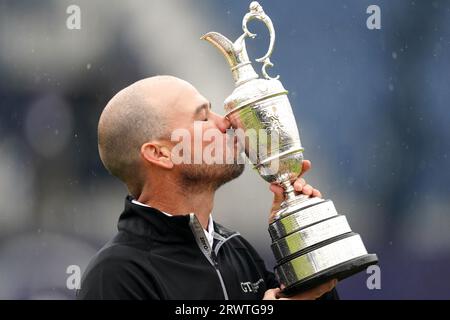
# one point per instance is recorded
(221, 122)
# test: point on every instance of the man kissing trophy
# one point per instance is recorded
(311, 242)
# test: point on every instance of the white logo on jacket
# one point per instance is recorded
(251, 287)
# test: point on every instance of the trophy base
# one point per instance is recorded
(312, 244)
(339, 272)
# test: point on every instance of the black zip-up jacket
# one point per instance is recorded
(154, 256)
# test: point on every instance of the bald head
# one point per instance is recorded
(140, 113)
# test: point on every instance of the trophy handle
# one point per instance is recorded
(257, 12)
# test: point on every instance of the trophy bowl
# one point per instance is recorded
(273, 142)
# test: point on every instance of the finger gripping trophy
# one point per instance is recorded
(311, 242)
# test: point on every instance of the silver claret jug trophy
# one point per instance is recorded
(311, 242)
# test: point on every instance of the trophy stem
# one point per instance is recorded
(289, 194)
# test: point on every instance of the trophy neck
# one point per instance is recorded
(243, 73)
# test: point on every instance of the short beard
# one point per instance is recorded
(200, 177)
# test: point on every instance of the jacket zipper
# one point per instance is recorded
(222, 283)
(205, 248)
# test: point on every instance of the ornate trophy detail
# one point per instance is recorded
(311, 242)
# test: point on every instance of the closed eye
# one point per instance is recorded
(202, 112)
(206, 118)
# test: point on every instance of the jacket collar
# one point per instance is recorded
(151, 223)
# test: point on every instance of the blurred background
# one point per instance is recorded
(372, 108)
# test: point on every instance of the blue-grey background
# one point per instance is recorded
(372, 108)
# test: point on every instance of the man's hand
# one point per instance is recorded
(300, 186)
(312, 294)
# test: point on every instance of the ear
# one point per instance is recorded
(157, 154)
